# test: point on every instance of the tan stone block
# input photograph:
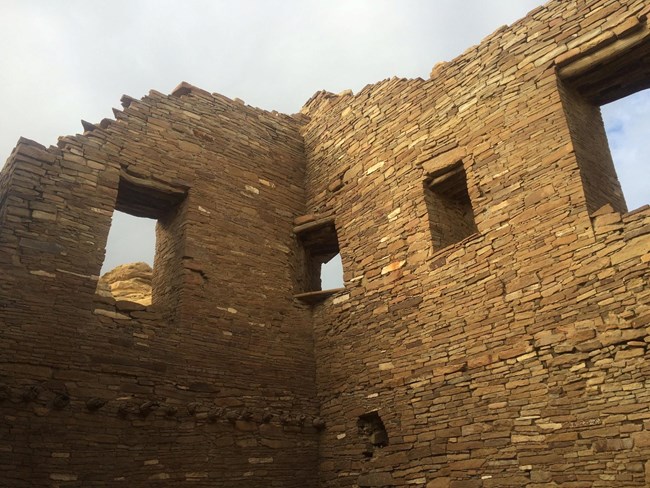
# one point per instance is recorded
(189, 147)
(540, 459)
(466, 464)
(443, 160)
(439, 483)
(630, 25)
(475, 429)
(633, 249)
(641, 439)
(472, 483)
(395, 265)
(630, 353)
(601, 432)
(527, 438)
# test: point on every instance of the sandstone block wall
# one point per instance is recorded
(214, 383)
(515, 355)
(495, 321)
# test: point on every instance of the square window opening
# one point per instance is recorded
(451, 216)
(323, 268)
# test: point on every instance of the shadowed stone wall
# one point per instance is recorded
(214, 381)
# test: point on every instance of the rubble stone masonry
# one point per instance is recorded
(495, 321)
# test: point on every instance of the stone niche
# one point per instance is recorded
(372, 432)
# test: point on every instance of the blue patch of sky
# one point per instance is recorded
(627, 123)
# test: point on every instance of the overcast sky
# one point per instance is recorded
(71, 59)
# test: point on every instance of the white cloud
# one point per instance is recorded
(64, 61)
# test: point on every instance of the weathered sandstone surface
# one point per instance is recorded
(130, 282)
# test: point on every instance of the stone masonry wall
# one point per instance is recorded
(517, 355)
(506, 349)
(212, 384)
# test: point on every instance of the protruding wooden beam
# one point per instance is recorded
(313, 297)
(313, 225)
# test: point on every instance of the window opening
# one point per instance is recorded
(451, 217)
(323, 269)
(145, 233)
(628, 129)
(321, 246)
(617, 72)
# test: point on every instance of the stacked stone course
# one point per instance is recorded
(510, 352)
